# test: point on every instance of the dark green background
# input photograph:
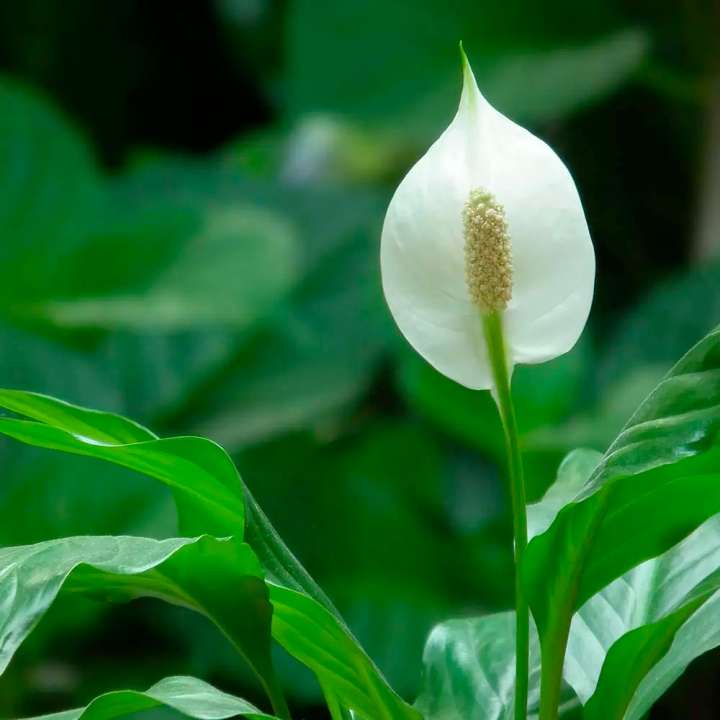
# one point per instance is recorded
(191, 196)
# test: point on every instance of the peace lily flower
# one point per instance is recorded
(488, 223)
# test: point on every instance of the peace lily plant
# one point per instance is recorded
(486, 263)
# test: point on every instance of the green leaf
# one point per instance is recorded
(220, 579)
(190, 696)
(470, 671)
(630, 635)
(209, 493)
(201, 475)
(699, 634)
(662, 466)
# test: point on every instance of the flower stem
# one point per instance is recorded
(492, 328)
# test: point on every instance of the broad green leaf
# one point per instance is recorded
(662, 466)
(207, 485)
(572, 475)
(199, 472)
(412, 84)
(629, 367)
(190, 696)
(621, 635)
(470, 671)
(699, 634)
(643, 619)
(220, 579)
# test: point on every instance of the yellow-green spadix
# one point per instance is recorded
(487, 221)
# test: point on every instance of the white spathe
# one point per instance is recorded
(422, 255)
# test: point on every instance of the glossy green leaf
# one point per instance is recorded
(220, 579)
(209, 493)
(633, 630)
(662, 466)
(190, 696)
(470, 671)
(633, 635)
(699, 634)
(198, 471)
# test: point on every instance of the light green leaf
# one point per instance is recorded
(190, 696)
(662, 467)
(220, 579)
(86, 258)
(572, 475)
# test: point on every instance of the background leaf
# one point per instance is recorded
(408, 83)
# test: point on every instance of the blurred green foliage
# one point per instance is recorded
(191, 197)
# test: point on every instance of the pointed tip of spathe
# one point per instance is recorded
(470, 90)
(464, 62)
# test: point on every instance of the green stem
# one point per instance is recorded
(493, 331)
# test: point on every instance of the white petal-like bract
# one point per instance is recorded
(423, 245)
